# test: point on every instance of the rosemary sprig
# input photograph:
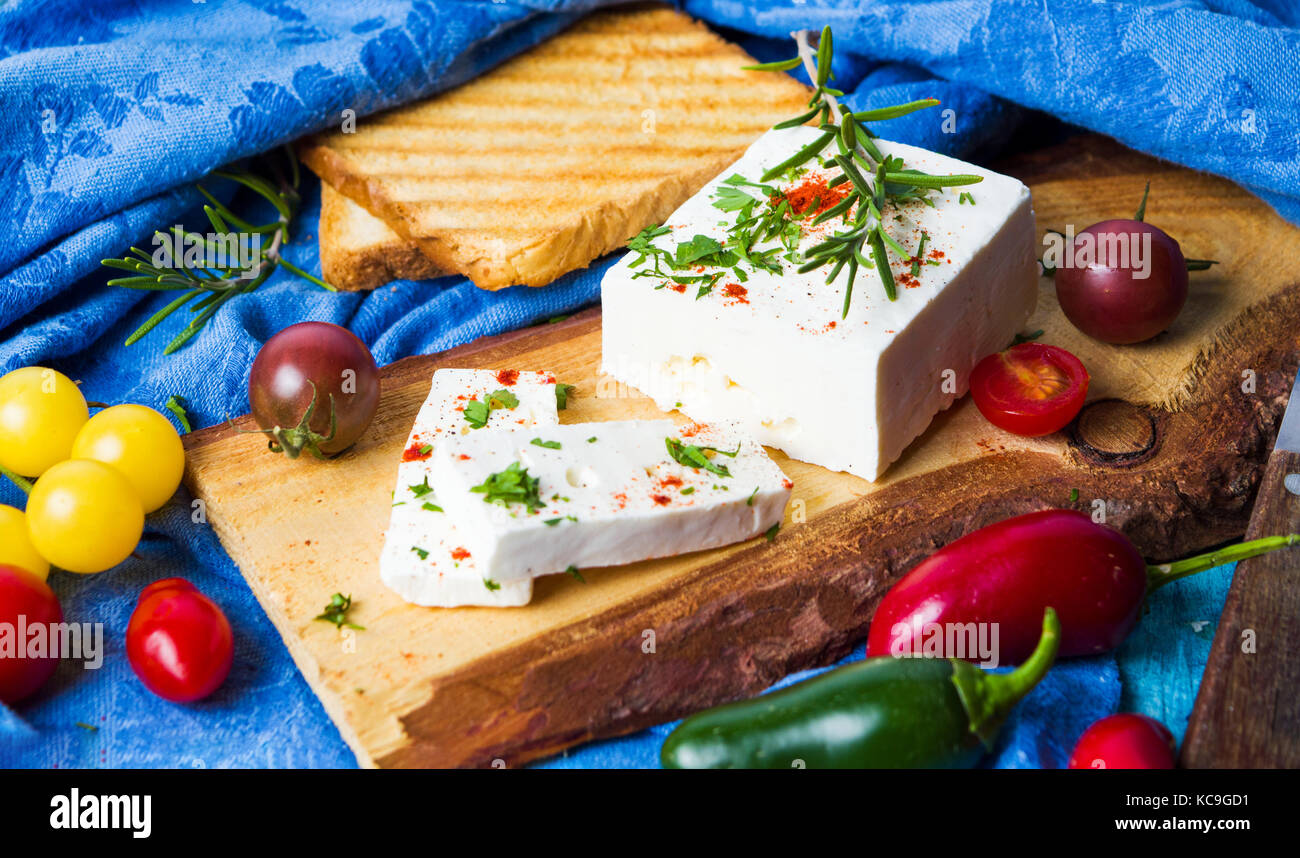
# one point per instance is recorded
(215, 283)
(877, 182)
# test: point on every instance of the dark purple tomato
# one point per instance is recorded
(314, 387)
(1132, 286)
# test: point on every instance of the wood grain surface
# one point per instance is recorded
(1171, 448)
(1247, 713)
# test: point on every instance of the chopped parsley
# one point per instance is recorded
(573, 570)
(491, 585)
(562, 392)
(422, 489)
(591, 440)
(750, 501)
(431, 507)
(1074, 495)
(550, 445)
(771, 532)
(422, 553)
(694, 457)
(336, 612)
(511, 486)
(689, 490)
(426, 449)
(551, 522)
(477, 412)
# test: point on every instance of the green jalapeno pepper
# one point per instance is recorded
(883, 712)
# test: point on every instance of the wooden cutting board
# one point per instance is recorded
(1170, 447)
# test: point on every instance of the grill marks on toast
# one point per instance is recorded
(563, 153)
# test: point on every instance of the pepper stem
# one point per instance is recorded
(20, 482)
(1161, 574)
(990, 697)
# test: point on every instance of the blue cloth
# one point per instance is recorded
(111, 109)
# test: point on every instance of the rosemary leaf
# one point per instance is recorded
(804, 155)
(894, 111)
(778, 65)
(924, 180)
(882, 264)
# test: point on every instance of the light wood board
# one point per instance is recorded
(1171, 444)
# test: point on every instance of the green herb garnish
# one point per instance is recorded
(877, 182)
(421, 489)
(573, 570)
(431, 507)
(477, 413)
(491, 585)
(177, 405)
(550, 445)
(511, 486)
(336, 612)
(562, 395)
(422, 553)
(771, 532)
(695, 457)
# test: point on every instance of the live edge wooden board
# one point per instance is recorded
(1171, 445)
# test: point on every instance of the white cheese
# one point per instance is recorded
(774, 354)
(424, 559)
(609, 493)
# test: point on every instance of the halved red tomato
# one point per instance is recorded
(1030, 389)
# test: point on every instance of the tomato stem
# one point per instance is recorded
(1161, 574)
(988, 697)
(1142, 209)
(20, 482)
(294, 440)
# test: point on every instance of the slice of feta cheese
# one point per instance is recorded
(424, 559)
(774, 352)
(542, 500)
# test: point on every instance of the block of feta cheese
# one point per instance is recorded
(424, 559)
(547, 499)
(774, 353)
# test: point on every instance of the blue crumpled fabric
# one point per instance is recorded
(111, 109)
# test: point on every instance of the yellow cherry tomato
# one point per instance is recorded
(16, 547)
(41, 411)
(141, 444)
(84, 516)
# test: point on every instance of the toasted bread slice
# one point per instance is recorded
(359, 251)
(563, 153)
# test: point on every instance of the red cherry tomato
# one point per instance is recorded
(178, 641)
(1029, 389)
(1125, 741)
(24, 595)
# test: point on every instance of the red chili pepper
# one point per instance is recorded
(1125, 741)
(1005, 574)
